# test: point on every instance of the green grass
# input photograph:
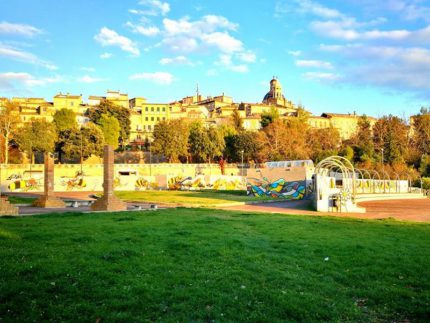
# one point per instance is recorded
(20, 200)
(210, 265)
(206, 198)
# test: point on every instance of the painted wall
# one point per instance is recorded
(289, 183)
(26, 178)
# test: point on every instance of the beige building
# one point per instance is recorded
(215, 110)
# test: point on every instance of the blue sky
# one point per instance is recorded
(367, 56)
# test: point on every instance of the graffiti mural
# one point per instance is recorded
(74, 183)
(201, 182)
(280, 188)
(24, 182)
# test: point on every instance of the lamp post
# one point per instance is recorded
(383, 168)
(242, 161)
(81, 150)
(150, 159)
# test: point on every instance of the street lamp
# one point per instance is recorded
(150, 159)
(242, 161)
(81, 150)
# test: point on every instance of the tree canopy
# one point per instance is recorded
(111, 129)
(118, 112)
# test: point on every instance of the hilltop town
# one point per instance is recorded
(217, 110)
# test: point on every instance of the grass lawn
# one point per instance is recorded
(20, 199)
(206, 198)
(204, 265)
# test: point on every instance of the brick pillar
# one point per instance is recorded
(48, 199)
(108, 202)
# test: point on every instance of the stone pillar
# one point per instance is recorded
(108, 202)
(6, 208)
(48, 199)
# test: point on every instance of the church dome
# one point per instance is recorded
(275, 92)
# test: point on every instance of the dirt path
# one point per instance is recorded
(403, 210)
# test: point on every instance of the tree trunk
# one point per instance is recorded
(6, 149)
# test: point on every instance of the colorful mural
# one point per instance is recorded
(24, 182)
(201, 182)
(280, 188)
(73, 183)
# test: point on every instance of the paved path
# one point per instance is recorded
(403, 210)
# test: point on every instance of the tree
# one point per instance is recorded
(323, 143)
(198, 141)
(111, 130)
(237, 120)
(65, 121)
(421, 132)
(9, 121)
(216, 143)
(362, 141)
(84, 142)
(205, 144)
(425, 166)
(391, 134)
(269, 117)
(36, 136)
(348, 153)
(171, 139)
(120, 113)
(284, 141)
(245, 141)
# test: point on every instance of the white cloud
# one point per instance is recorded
(399, 68)
(18, 29)
(153, 8)
(178, 60)
(226, 61)
(109, 37)
(90, 79)
(314, 64)
(319, 76)
(223, 41)
(162, 78)
(105, 55)
(306, 7)
(25, 57)
(247, 57)
(148, 31)
(88, 69)
(184, 35)
(181, 44)
(17, 80)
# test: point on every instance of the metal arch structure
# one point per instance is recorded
(339, 163)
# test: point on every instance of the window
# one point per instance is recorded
(158, 109)
(164, 109)
(146, 118)
(152, 109)
(170, 109)
(149, 127)
(164, 118)
(158, 118)
(71, 104)
(152, 118)
(146, 109)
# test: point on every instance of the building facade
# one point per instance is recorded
(216, 111)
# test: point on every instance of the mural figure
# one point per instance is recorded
(27, 181)
(277, 189)
(199, 182)
(74, 183)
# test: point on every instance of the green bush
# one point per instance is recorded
(426, 183)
